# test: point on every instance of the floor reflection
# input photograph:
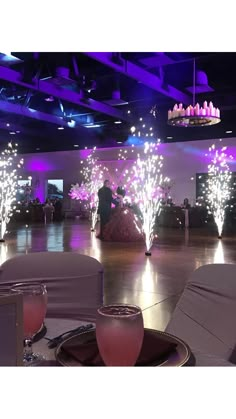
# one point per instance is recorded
(130, 276)
(3, 252)
(95, 251)
(55, 237)
(186, 236)
(219, 253)
(24, 239)
(148, 277)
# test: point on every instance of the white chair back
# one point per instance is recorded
(204, 316)
(74, 282)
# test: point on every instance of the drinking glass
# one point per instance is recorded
(34, 312)
(119, 334)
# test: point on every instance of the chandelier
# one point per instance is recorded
(194, 115)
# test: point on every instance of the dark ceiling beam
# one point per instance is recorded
(31, 113)
(135, 72)
(50, 89)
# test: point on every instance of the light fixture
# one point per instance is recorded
(92, 126)
(71, 124)
(118, 122)
(228, 132)
(60, 128)
(169, 138)
(37, 149)
(194, 115)
(49, 99)
(7, 125)
(76, 145)
(119, 142)
(12, 132)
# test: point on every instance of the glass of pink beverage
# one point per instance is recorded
(34, 312)
(119, 334)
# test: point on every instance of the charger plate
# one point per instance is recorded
(178, 358)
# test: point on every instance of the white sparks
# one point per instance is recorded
(8, 185)
(93, 173)
(146, 183)
(218, 188)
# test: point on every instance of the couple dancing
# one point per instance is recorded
(118, 224)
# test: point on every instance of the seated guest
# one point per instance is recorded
(200, 202)
(48, 211)
(169, 202)
(186, 204)
(58, 210)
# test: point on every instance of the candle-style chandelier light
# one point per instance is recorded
(194, 115)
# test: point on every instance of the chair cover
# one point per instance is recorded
(205, 314)
(74, 282)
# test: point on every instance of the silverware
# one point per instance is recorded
(52, 343)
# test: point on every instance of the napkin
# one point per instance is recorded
(155, 350)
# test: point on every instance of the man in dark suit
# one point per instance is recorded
(104, 205)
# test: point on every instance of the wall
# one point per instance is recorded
(181, 162)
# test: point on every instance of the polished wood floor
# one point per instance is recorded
(155, 283)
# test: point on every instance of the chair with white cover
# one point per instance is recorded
(205, 314)
(74, 282)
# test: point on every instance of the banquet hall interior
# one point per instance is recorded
(70, 121)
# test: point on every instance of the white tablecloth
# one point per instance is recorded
(54, 328)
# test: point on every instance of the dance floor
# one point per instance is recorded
(155, 283)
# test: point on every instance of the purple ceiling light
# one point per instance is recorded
(194, 116)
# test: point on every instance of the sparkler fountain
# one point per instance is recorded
(93, 173)
(148, 177)
(8, 185)
(218, 185)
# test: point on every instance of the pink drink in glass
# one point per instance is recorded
(119, 333)
(34, 312)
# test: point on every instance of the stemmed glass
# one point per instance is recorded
(119, 334)
(34, 312)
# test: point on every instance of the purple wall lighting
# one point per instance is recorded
(39, 165)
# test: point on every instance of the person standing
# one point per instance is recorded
(105, 200)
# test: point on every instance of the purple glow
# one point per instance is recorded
(39, 165)
(85, 153)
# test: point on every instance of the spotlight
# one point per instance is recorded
(49, 99)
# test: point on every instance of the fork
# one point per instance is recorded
(52, 343)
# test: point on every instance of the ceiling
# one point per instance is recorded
(94, 98)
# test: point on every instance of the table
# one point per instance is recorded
(54, 328)
(57, 326)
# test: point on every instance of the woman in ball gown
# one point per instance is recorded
(125, 225)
